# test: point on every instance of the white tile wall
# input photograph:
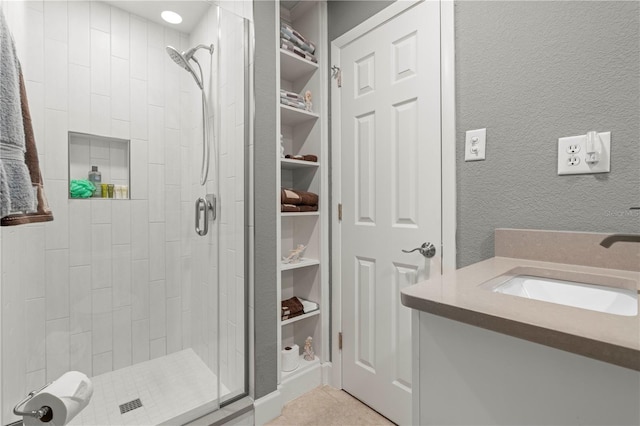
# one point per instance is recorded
(112, 284)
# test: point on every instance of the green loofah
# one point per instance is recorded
(81, 188)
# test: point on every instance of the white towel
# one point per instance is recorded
(16, 191)
(308, 306)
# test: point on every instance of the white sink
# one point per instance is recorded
(599, 298)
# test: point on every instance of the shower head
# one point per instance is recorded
(183, 61)
(189, 53)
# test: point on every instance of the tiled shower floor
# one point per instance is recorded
(169, 388)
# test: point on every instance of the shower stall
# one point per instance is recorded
(128, 289)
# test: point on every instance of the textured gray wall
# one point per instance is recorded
(531, 72)
(265, 299)
(344, 15)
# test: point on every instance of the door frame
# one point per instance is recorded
(448, 158)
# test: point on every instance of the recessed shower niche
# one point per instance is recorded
(111, 158)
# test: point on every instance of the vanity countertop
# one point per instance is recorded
(458, 295)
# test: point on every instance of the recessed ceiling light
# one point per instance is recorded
(171, 17)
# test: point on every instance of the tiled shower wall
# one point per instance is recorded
(113, 283)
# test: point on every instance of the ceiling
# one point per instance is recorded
(190, 10)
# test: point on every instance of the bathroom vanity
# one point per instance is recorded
(487, 352)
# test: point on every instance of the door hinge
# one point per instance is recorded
(336, 73)
(340, 211)
(340, 340)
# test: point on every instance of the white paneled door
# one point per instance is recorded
(391, 197)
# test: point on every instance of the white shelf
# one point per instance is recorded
(291, 116)
(300, 317)
(291, 164)
(302, 367)
(294, 214)
(303, 263)
(293, 67)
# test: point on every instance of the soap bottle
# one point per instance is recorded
(95, 177)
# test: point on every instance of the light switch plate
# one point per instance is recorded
(475, 145)
(572, 155)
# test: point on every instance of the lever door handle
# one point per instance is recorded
(426, 249)
(205, 211)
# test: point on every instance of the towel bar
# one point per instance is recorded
(45, 414)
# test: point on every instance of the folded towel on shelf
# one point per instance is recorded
(294, 104)
(297, 197)
(290, 47)
(288, 33)
(291, 95)
(296, 306)
(308, 157)
(308, 306)
(16, 192)
(286, 317)
(304, 209)
(289, 208)
(291, 308)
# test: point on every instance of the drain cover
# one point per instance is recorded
(131, 405)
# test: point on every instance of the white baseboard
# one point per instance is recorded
(297, 385)
(327, 374)
(268, 407)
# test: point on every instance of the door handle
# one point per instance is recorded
(204, 208)
(426, 249)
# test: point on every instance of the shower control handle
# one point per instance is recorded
(205, 207)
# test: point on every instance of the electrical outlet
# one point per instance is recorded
(574, 148)
(572, 155)
(573, 161)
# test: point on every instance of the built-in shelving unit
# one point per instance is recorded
(299, 214)
(110, 155)
(301, 317)
(305, 133)
(302, 263)
(291, 116)
(289, 164)
(293, 67)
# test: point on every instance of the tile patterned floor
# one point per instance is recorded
(169, 388)
(328, 406)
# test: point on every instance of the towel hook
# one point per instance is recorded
(44, 413)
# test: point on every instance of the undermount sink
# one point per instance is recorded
(612, 300)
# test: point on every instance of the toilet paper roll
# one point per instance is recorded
(66, 396)
(290, 358)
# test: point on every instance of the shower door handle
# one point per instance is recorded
(204, 208)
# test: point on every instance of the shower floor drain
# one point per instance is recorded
(131, 405)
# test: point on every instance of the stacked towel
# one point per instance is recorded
(309, 157)
(295, 42)
(293, 200)
(16, 192)
(295, 307)
(292, 99)
(291, 308)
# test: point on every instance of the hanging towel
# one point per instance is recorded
(16, 192)
(43, 212)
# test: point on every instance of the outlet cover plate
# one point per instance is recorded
(570, 163)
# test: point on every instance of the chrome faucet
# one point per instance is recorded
(608, 241)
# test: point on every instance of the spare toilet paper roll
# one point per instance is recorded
(290, 358)
(66, 396)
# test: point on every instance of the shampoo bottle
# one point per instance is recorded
(95, 177)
